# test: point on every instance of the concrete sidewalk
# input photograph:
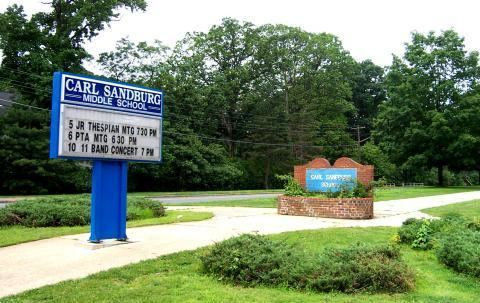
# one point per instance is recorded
(35, 264)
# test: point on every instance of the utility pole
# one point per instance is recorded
(359, 141)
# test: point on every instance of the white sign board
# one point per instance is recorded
(102, 134)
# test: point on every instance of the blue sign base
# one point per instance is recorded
(109, 201)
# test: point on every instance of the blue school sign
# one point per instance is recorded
(110, 123)
(330, 179)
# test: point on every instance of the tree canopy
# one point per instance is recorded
(243, 102)
(426, 88)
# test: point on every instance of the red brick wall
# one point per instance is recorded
(364, 172)
(349, 208)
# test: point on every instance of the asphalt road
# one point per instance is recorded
(195, 199)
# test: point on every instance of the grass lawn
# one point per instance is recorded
(177, 278)
(380, 195)
(259, 202)
(19, 234)
(175, 194)
(470, 209)
(207, 193)
(383, 194)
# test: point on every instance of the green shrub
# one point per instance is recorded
(251, 260)
(456, 239)
(45, 212)
(156, 207)
(352, 189)
(158, 210)
(460, 251)
(347, 190)
(136, 213)
(361, 268)
(423, 237)
(408, 231)
(423, 233)
(69, 211)
(291, 186)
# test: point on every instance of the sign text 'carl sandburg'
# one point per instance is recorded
(330, 179)
(99, 119)
(110, 95)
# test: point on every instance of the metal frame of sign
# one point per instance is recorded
(109, 175)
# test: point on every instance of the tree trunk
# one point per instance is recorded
(287, 120)
(440, 175)
(267, 174)
(479, 177)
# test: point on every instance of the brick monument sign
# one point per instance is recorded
(319, 176)
(362, 173)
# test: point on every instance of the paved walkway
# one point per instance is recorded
(35, 264)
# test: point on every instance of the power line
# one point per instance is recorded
(29, 87)
(246, 124)
(256, 143)
(26, 105)
(212, 138)
(276, 120)
(249, 126)
(176, 103)
(255, 126)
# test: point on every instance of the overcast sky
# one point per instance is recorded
(372, 29)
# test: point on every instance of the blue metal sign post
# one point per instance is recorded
(109, 200)
(110, 123)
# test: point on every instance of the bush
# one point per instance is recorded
(423, 233)
(348, 190)
(251, 260)
(45, 212)
(456, 241)
(361, 268)
(156, 207)
(68, 211)
(423, 237)
(291, 186)
(461, 251)
(354, 189)
(136, 213)
(408, 231)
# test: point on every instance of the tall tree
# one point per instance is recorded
(225, 54)
(188, 162)
(33, 48)
(136, 63)
(300, 97)
(414, 125)
(466, 148)
(368, 93)
(273, 84)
